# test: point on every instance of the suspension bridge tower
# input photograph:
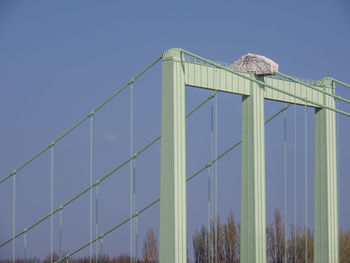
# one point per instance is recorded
(255, 82)
(181, 68)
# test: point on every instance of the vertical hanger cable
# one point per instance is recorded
(52, 189)
(25, 247)
(216, 176)
(306, 190)
(132, 181)
(60, 234)
(14, 218)
(285, 182)
(96, 221)
(295, 183)
(339, 183)
(91, 179)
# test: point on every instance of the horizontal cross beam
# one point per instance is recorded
(209, 77)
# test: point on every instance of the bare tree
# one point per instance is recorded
(231, 240)
(310, 246)
(150, 248)
(296, 246)
(225, 242)
(216, 244)
(344, 246)
(228, 245)
(275, 239)
(200, 248)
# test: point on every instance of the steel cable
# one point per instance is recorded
(51, 201)
(96, 221)
(306, 188)
(132, 80)
(341, 83)
(91, 181)
(25, 246)
(216, 176)
(132, 180)
(285, 182)
(242, 75)
(14, 219)
(312, 87)
(157, 200)
(60, 234)
(98, 181)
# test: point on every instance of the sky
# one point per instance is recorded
(61, 59)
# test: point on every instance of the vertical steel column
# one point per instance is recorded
(253, 214)
(326, 192)
(173, 247)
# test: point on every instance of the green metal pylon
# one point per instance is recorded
(326, 192)
(173, 247)
(253, 214)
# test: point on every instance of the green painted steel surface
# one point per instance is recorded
(326, 192)
(96, 184)
(341, 83)
(280, 90)
(101, 236)
(172, 240)
(253, 200)
(327, 92)
(177, 73)
(151, 204)
(204, 75)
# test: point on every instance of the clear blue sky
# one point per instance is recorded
(60, 59)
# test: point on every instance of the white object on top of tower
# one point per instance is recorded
(258, 64)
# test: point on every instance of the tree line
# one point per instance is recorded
(224, 245)
(149, 255)
(227, 243)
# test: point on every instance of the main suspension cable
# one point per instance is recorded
(242, 75)
(132, 80)
(312, 87)
(97, 181)
(341, 83)
(157, 200)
